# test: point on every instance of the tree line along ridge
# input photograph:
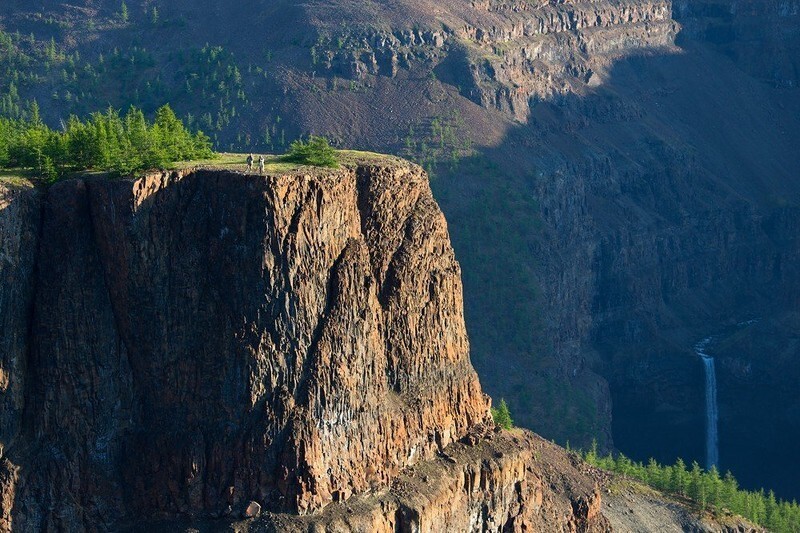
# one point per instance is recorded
(109, 141)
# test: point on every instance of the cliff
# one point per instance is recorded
(20, 210)
(205, 349)
(501, 55)
(190, 342)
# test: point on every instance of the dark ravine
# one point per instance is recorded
(659, 203)
(736, 28)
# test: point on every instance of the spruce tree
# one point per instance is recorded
(105, 142)
(714, 486)
(502, 416)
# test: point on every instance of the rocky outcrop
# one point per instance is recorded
(206, 349)
(203, 346)
(505, 56)
(556, 49)
(201, 340)
(499, 482)
(509, 482)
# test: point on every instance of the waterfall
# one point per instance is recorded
(712, 411)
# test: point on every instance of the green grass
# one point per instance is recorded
(228, 161)
(232, 161)
(275, 164)
(16, 177)
(354, 157)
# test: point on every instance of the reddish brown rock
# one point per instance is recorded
(253, 510)
(533, 486)
(205, 339)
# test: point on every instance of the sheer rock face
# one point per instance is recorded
(19, 228)
(206, 338)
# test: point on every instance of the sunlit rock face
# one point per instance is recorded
(204, 339)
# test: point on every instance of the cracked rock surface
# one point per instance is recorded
(190, 342)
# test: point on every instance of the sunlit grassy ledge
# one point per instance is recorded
(16, 178)
(274, 165)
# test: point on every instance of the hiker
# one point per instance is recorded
(261, 164)
(250, 162)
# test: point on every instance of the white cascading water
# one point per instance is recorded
(712, 411)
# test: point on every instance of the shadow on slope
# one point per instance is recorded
(612, 232)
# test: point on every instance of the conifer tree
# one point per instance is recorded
(714, 486)
(502, 416)
(729, 488)
(708, 489)
(679, 477)
(105, 142)
(696, 490)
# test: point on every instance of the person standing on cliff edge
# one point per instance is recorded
(261, 164)
(250, 162)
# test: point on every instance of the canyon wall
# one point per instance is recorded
(637, 185)
(20, 214)
(678, 201)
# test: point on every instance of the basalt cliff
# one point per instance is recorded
(185, 344)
